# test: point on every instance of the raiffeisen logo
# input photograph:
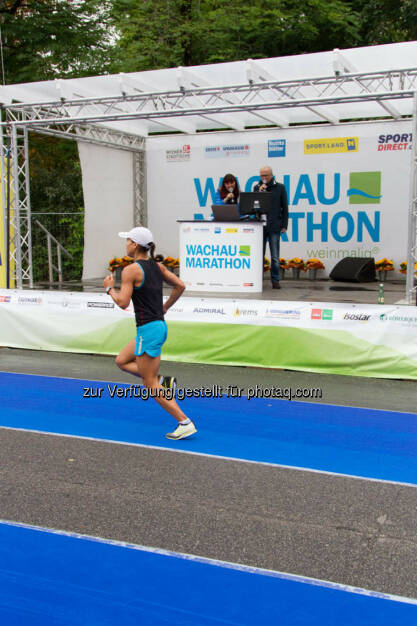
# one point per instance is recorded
(364, 188)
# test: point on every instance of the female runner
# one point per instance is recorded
(142, 283)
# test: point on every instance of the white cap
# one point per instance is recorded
(140, 235)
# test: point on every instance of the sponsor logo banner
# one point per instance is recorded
(5, 298)
(219, 151)
(331, 145)
(179, 155)
(29, 301)
(276, 147)
(395, 142)
(364, 188)
(284, 314)
(100, 305)
(322, 314)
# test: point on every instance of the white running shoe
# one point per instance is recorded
(182, 431)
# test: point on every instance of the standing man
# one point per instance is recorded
(276, 219)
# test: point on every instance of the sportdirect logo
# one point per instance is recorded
(395, 142)
(322, 314)
(364, 188)
(331, 145)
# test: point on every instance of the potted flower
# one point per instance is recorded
(403, 268)
(382, 267)
(283, 265)
(267, 264)
(296, 264)
(311, 266)
(116, 265)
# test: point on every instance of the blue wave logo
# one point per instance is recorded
(359, 192)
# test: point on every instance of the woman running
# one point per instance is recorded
(142, 283)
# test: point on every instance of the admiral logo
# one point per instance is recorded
(396, 142)
(238, 312)
(209, 311)
(100, 305)
(276, 147)
(322, 314)
(5, 298)
(359, 317)
(23, 300)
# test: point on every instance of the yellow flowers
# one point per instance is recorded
(297, 263)
(384, 264)
(314, 264)
(118, 262)
(403, 268)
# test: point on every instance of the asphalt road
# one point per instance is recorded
(358, 532)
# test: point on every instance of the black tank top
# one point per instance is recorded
(147, 298)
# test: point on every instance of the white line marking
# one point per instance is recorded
(218, 563)
(123, 382)
(210, 456)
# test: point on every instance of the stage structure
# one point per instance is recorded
(329, 88)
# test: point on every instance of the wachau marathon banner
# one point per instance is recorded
(348, 187)
(359, 340)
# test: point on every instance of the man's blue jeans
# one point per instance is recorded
(273, 240)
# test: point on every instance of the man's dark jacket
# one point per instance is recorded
(277, 218)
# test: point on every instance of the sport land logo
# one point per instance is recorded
(364, 188)
(331, 145)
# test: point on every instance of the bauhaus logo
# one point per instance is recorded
(364, 188)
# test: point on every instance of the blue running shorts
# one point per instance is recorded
(150, 338)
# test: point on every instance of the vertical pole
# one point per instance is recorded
(412, 215)
(16, 213)
(48, 241)
(58, 252)
(8, 209)
(29, 271)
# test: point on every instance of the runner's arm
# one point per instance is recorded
(122, 298)
(176, 283)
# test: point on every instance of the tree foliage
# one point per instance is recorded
(44, 39)
(168, 33)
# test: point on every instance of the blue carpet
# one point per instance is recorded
(48, 579)
(359, 442)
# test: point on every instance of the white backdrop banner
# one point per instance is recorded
(348, 188)
(108, 200)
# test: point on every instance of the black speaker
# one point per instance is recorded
(353, 269)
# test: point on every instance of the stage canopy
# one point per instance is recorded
(333, 87)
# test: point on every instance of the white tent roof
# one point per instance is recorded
(356, 83)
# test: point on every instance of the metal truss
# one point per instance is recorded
(252, 97)
(99, 135)
(411, 289)
(140, 209)
(15, 140)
